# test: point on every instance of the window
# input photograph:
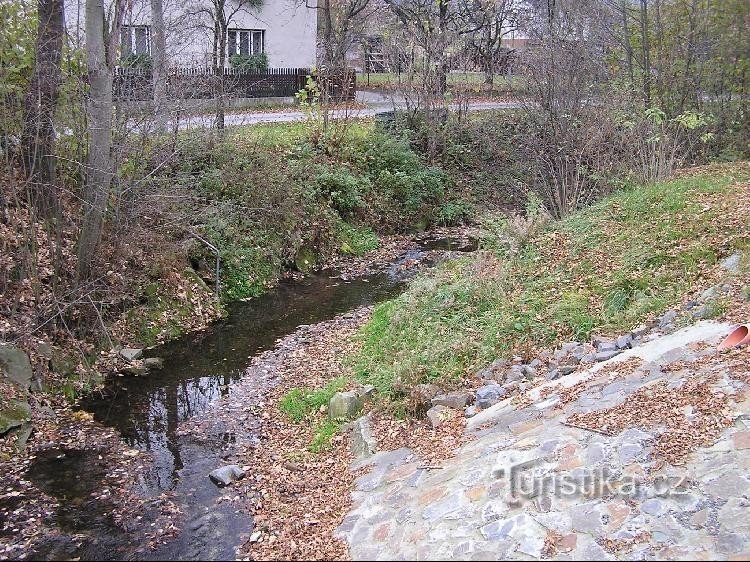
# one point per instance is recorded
(135, 40)
(245, 42)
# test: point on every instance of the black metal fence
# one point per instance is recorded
(135, 84)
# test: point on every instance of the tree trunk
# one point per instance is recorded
(646, 55)
(628, 46)
(99, 165)
(40, 102)
(159, 66)
(221, 57)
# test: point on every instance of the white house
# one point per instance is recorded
(285, 30)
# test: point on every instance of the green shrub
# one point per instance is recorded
(453, 212)
(250, 63)
(345, 191)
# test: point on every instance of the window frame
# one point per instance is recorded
(132, 33)
(236, 49)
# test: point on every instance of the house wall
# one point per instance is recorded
(290, 29)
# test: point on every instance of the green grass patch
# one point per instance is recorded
(357, 240)
(603, 269)
(299, 403)
(324, 433)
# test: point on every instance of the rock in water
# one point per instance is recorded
(344, 405)
(16, 366)
(225, 475)
(153, 363)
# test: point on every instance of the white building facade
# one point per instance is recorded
(285, 30)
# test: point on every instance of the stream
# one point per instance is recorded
(199, 369)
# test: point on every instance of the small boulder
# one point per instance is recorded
(490, 394)
(456, 399)
(14, 413)
(667, 319)
(605, 346)
(470, 411)
(344, 405)
(554, 374)
(566, 369)
(625, 341)
(225, 475)
(605, 355)
(732, 263)
(131, 353)
(16, 365)
(366, 391)
(363, 442)
(153, 363)
(437, 415)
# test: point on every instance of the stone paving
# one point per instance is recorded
(530, 486)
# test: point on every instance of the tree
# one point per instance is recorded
(40, 103)
(101, 56)
(430, 23)
(216, 17)
(159, 62)
(340, 23)
(484, 24)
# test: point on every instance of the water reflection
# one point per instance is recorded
(201, 368)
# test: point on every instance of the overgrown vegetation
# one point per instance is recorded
(273, 202)
(603, 269)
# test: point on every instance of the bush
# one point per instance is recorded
(250, 63)
(345, 191)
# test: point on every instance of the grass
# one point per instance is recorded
(304, 404)
(300, 403)
(602, 270)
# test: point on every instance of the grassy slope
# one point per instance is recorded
(604, 269)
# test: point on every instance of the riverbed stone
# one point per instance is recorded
(488, 395)
(606, 355)
(457, 399)
(13, 414)
(344, 405)
(625, 341)
(225, 475)
(131, 353)
(15, 364)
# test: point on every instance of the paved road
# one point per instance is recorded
(376, 104)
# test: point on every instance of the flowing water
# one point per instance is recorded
(147, 412)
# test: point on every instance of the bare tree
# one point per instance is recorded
(215, 17)
(430, 24)
(40, 102)
(483, 25)
(101, 56)
(159, 62)
(340, 23)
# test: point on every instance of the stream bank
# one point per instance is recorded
(134, 485)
